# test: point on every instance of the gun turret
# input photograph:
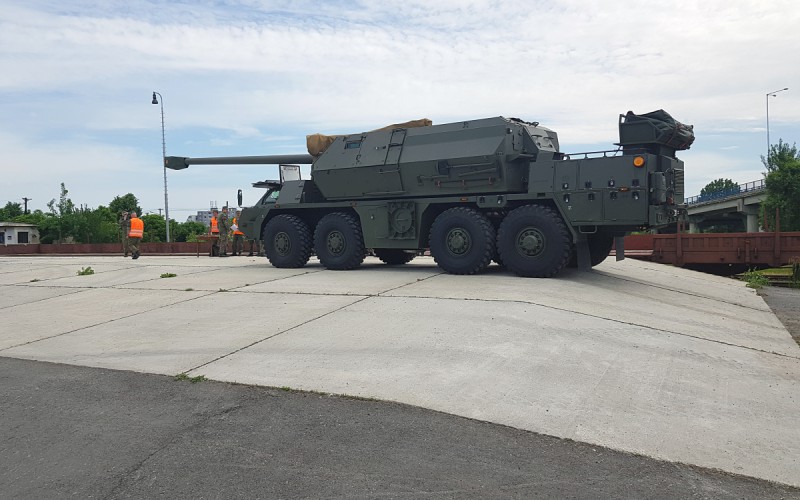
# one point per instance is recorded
(180, 162)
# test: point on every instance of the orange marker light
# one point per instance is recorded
(638, 162)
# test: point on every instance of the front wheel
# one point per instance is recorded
(287, 241)
(534, 242)
(339, 242)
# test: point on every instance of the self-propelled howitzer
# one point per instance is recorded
(471, 192)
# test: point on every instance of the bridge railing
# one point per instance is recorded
(747, 187)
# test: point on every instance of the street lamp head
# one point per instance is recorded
(155, 101)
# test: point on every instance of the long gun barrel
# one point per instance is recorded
(180, 162)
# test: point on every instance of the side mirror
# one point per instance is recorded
(239, 197)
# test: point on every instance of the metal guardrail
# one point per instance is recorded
(747, 187)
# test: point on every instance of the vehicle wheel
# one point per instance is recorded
(339, 242)
(393, 256)
(287, 241)
(496, 258)
(462, 241)
(534, 242)
(599, 247)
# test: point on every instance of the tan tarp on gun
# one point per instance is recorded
(318, 143)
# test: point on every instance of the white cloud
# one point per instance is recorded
(255, 76)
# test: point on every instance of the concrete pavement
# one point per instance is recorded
(635, 356)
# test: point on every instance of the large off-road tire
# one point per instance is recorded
(393, 256)
(287, 241)
(534, 242)
(462, 241)
(339, 242)
(600, 245)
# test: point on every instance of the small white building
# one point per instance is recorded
(18, 233)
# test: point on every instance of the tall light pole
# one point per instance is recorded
(164, 157)
(771, 94)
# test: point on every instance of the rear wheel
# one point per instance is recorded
(462, 241)
(393, 256)
(287, 241)
(534, 242)
(339, 242)
(599, 247)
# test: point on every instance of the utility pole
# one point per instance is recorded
(771, 94)
(163, 157)
(26, 200)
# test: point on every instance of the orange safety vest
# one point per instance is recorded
(137, 228)
(214, 227)
(237, 232)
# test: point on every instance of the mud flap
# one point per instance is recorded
(619, 245)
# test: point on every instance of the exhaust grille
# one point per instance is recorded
(678, 177)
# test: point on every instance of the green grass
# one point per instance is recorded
(168, 275)
(777, 271)
(194, 380)
(755, 279)
(85, 271)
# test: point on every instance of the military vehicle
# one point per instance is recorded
(471, 192)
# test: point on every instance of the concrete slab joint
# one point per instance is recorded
(635, 356)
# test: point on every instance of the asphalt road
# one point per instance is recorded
(82, 432)
(785, 303)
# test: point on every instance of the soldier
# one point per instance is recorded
(135, 234)
(256, 246)
(223, 223)
(124, 227)
(238, 235)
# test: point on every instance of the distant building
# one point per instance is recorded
(203, 216)
(18, 233)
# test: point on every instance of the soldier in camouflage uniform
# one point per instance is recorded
(124, 226)
(224, 225)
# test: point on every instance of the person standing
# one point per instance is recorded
(256, 246)
(124, 228)
(135, 234)
(214, 231)
(224, 226)
(238, 235)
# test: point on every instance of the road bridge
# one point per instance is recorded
(740, 204)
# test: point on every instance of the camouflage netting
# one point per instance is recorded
(655, 127)
(318, 143)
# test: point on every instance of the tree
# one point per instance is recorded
(188, 231)
(10, 211)
(125, 203)
(65, 222)
(782, 180)
(719, 185)
(155, 228)
(779, 155)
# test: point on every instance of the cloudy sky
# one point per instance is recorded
(255, 76)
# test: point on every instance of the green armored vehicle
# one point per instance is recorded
(471, 192)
